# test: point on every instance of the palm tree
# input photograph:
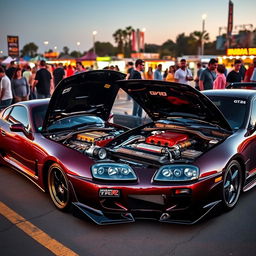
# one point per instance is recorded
(200, 37)
(118, 36)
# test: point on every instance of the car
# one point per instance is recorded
(242, 85)
(197, 151)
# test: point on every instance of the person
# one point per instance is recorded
(220, 81)
(5, 90)
(58, 74)
(183, 74)
(242, 70)
(130, 68)
(70, 71)
(79, 68)
(27, 74)
(20, 87)
(208, 75)
(136, 74)
(158, 73)
(149, 73)
(11, 69)
(170, 75)
(253, 77)
(43, 81)
(249, 71)
(234, 75)
(198, 73)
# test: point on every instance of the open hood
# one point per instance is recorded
(91, 93)
(163, 100)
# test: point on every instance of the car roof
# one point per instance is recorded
(238, 93)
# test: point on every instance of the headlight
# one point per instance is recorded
(113, 171)
(177, 173)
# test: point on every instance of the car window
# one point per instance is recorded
(78, 121)
(6, 113)
(19, 115)
(233, 109)
(38, 115)
(253, 114)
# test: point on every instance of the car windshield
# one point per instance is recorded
(74, 122)
(233, 109)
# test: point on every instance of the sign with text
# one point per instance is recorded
(13, 46)
(241, 51)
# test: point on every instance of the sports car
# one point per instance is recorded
(196, 152)
(242, 85)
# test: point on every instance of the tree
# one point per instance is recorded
(152, 48)
(65, 50)
(200, 37)
(118, 36)
(30, 50)
(76, 54)
(123, 38)
(167, 48)
(105, 49)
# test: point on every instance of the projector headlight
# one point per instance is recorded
(113, 171)
(177, 173)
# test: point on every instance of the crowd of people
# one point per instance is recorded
(214, 76)
(24, 83)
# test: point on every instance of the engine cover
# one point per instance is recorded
(168, 139)
(96, 137)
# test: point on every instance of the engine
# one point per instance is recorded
(149, 146)
(159, 147)
(92, 142)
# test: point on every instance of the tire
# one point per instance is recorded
(58, 187)
(231, 187)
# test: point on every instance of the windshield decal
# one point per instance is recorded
(240, 102)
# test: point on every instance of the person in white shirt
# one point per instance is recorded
(5, 90)
(183, 75)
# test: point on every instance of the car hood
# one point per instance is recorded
(91, 93)
(163, 100)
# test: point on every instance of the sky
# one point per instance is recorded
(66, 22)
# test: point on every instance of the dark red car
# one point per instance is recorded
(197, 152)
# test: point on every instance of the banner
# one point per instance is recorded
(134, 41)
(138, 41)
(13, 46)
(230, 22)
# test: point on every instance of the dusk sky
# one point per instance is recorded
(65, 22)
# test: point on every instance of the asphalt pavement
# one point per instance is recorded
(221, 234)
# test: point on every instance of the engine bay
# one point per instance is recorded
(152, 144)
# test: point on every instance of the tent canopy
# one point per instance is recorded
(88, 56)
(8, 60)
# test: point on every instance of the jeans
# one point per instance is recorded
(137, 110)
(5, 103)
(42, 96)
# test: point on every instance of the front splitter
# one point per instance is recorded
(101, 218)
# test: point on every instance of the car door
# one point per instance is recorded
(18, 143)
(252, 125)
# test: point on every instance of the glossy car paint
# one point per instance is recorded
(32, 154)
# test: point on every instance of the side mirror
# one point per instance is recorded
(17, 128)
(21, 128)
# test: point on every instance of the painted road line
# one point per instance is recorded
(34, 232)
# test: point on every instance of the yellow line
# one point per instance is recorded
(34, 232)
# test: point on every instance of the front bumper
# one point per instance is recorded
(177, 203)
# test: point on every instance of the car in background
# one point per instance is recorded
(246, 85)
(197, 152)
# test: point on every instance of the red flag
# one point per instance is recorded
(134, 41)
